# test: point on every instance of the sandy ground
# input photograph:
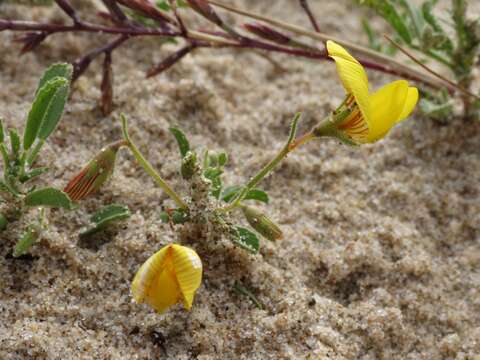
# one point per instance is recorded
(381, 255)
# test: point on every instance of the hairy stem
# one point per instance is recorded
(149, 168)
(266, 169)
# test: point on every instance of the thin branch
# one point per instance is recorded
(181, 25)
(18, 25)
(306, 7)
(117, 14)
(170, 60)
(82, 64)
(440, 76)
(68, 9)
(400, 68)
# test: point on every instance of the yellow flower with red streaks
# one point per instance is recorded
(364, 117)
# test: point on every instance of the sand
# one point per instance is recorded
(381, 254)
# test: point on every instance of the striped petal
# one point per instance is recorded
(352, 75)
(171, 275)
(188, 270)
(146, 275)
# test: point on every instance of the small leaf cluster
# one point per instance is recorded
(105, 216)
(207, 174)
(20, 155)
(454, 44)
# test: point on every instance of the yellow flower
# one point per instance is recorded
(171, 275)
(364, 117)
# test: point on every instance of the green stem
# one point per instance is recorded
(149, 168)
(32, 156)
(433, 56)
(266, 169)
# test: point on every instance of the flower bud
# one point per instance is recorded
(171, 275)
(189, 165)
(94, 174)
(203, 8)
(261, 223)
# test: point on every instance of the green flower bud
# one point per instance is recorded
(189, 165)
(94, 174)
(261, 223)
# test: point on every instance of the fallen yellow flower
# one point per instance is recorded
(364, 117)
(171, 275)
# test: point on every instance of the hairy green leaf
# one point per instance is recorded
(222, 159)
(54, 112)
(255, 194)
(40, 110)
(214, 175)
(247, 240)
(26, 241)
(176, 216)
(182, 141)
(2, 132)
(33, 174)
(15, 143)
(107, 215)
(48, 197)
(62, 70)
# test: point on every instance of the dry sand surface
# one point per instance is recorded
(381, 255)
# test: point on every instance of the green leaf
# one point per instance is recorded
(46, 110)
(62, 70)
(26, 241)
(397, 22)
(177, 216)
(415, 15)
(15, 143)
(213, 174)
(109, 213)
(255, 194)
(222, 159)
(6, 187)
(48, 197)
(2, 132)
(436, 110)
(372, 38)
(182, 141)
(54, 112)
(230, 192)
(163, 5)
(106, 215)
(5, 157)
(247, 240)
(33, 174)
(430, 18)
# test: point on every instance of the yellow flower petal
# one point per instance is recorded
(164, 291)
(147, 273)
(387, 105)
(171, 275)
(188, 269)
(410, 102)
(352, 75)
